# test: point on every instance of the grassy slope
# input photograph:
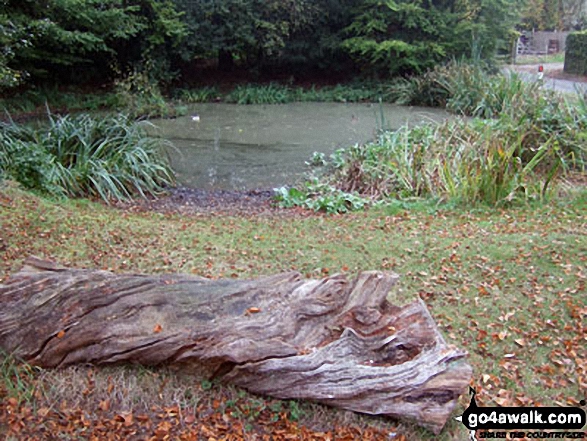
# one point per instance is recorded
(497, 283)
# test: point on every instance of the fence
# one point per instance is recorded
(541, 43)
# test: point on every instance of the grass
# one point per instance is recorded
(520, 140)
(105, 157)
(140, 97)
(277, 93)
(541, 59)
(497, 282)
(35, 99)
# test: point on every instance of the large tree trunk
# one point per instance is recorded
(334, 341)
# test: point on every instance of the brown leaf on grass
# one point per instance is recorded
(43, 412)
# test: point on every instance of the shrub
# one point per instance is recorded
(141, 96)
(576, 53)
(106, 157)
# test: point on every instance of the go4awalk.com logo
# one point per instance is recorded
(524, 422)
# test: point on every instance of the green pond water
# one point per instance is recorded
(237, 147)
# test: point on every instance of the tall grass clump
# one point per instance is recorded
(37, 98)
(17, 379)
(79, 156)
(259, 94)
(275, 93)
(201, 95)
(468, 161)
(519, 141)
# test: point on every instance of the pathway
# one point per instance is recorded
(552, 77)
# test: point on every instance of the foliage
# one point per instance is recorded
(12, 39)
(468, 89)
(102, 40)
(106, 157)
(259, 94)
(141, 96)
(483, 161)
(552, 15)
(37, 99)
(411, 36)
(526, 138)
(576, 53)
(276, 93)
(397, 37)
(201, 95)
(246, 31)
(18, 378)
(320, 197)
(82, 40)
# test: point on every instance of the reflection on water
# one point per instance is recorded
(235, 147)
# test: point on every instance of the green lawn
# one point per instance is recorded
(544, 59)
(507, 285)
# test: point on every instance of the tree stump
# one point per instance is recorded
(335, 341)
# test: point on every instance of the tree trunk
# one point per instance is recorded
(334, 341)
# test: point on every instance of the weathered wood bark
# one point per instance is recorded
(334, 341)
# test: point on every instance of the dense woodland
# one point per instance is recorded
(97, 41)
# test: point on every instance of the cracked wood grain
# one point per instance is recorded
(334, 340)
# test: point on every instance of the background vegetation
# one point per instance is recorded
(576, 53)
(97, 42)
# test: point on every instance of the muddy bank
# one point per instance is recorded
(192, 201)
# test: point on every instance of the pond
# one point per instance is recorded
(238, 147)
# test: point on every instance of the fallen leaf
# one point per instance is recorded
(157, 329)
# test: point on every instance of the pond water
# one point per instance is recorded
(237, 147)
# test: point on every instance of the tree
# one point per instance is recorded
(397, 37)
(550, 15)
(411, 36)
(244, 31)
(84, 38)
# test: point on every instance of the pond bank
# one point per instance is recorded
(192, 201)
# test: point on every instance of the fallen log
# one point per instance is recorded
(334, 341)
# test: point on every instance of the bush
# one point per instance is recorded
(141, 96)
(576, 53)
(106, 157)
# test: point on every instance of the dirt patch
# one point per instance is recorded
(192, 201)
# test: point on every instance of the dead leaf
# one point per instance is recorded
(520, 342)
